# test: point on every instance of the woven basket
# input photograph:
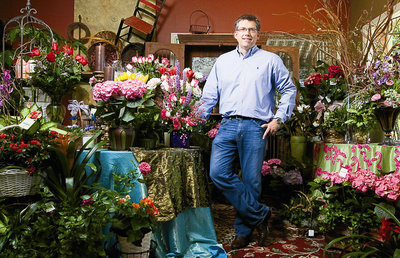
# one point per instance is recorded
(17, 183)
(129, 250)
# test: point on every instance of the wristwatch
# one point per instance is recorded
(278, 120)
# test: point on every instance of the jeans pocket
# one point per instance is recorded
(258, 122)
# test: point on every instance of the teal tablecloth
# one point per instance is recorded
(190, 234)
(333, 157)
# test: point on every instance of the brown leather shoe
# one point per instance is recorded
(263, 230)
(239, 242)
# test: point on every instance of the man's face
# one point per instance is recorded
(246, 34)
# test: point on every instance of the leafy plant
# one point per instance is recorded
(340, 205)
(66, 176)
(385, 243)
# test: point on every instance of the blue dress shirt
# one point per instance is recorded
(245, 86)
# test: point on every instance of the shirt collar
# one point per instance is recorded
(251, 51)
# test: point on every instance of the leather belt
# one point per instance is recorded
(242, 118)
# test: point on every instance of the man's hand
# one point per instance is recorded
(271, 128)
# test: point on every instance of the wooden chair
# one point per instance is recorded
(143, 22)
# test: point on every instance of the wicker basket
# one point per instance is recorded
(129, 250)
(17, 183)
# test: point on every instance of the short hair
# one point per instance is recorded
(248, 17)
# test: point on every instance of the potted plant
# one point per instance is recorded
(329, 88)
(118, 102)
(133, 222)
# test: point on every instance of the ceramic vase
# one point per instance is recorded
(298, 145)
(121, 138)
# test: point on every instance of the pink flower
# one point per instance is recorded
(176, 123)
(274, 162)
(88, 201)
(212, 133)
(165, 114)
(266, 169)
(376, 97)
(145, 168)
(172, 97)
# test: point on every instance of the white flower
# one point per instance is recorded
(315, 124)
(153, 83)
(198, 75)
(196, 91)
(165, 85)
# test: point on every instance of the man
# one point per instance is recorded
(244, 82)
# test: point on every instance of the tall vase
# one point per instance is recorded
(298, 146)
(121, 138)
(180, 140)
(55, 112)
(387, 117)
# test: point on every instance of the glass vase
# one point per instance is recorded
(55, 112)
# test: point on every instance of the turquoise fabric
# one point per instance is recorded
(190, 234)
(333, 157)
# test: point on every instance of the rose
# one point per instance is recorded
(67, 49)
(376, 97)
(145, 168)
(51, 57)
(34, 52)
(81, 60)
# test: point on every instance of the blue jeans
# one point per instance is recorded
(242, 137)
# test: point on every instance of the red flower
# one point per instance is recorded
(67, 49)
(34, 52)
(19, 150)
(51, 57)
(31, 170)
(3, 135)
(81, 60)
(35, 142)
(162, 70)
(190, 75)
(177, 124)
(171, 71)
(54, 47)
(335, 71)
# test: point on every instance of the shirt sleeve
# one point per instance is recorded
(286, 88)
(210, 95)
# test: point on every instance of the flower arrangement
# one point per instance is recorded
(119, 101)
(56, 72)
(380, 82)
(181, 99)
(327, 91)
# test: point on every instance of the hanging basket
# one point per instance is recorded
(199, 29)
(17, 183)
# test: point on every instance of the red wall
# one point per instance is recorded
(274, 15)
(57, 14)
